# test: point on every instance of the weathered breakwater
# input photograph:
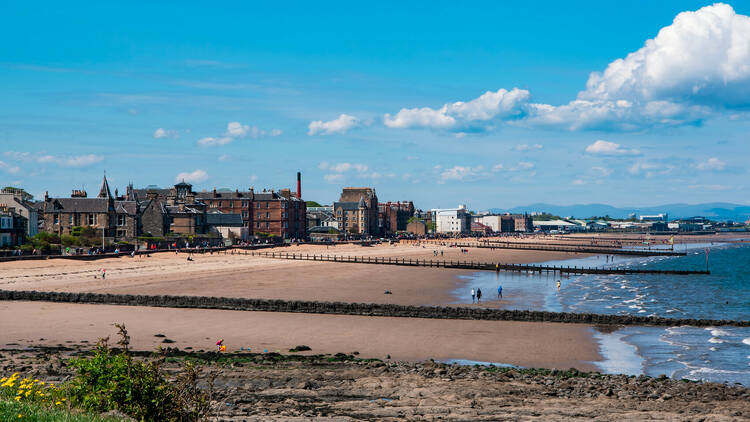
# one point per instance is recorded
(465, 265)
(555, 248)
(361, 309)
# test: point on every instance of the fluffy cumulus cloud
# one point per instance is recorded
(527, 147)
(340, 125)
(694, 68)
(476, 114)
(237, 130)
(712, 164)
(601, 147)
(462, 173)
(212, 141)
(192, 176)
(162, 133)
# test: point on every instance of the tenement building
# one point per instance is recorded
(394, 216)
(357, 211)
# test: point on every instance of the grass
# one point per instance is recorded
(10, 410)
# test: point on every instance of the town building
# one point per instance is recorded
(357, 211)
(22, 202)
(13, 226)
(417, 227)
(321, 217)
(452, 220)
(114, 219)
(229, 226)
(394, 216)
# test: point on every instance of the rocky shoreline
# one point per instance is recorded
(345, 387)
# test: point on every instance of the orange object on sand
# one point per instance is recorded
(223, 348)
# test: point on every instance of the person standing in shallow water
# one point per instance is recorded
(472, 295)
(499, 292)
(479, 295)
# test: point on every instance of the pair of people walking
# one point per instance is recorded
(476, 295)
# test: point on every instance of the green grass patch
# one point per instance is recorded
(11, 410)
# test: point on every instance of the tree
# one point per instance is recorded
(312, 204)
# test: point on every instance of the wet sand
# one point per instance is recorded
(519, 343)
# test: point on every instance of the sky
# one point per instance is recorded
(490, 104)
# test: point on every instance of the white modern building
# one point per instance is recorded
(452, 220)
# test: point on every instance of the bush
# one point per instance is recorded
(112, 380)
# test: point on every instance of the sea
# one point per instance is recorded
(718, 354)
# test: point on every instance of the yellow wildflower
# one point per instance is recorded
(18, 398)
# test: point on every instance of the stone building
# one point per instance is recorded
(118, 219)
(170, 211)
(12, 226)
(394, 216)
(357, 211)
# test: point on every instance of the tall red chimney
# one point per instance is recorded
(299, 185)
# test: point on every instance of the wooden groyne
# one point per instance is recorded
(578, 249)
(465, 265)
(361, 309)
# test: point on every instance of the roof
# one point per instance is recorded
(219, 219)
(323, 229)
(104, 192)
(127, 207)
(554, 223)
(223, 195)
(346, 206)
(99, 205)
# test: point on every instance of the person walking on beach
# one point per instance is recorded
(104, 273)
(499, 292)
(473, 294)
(479, 295)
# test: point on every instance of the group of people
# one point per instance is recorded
(476, 295)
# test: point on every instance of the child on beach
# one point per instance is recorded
(219, 344)
(499, 292)
(479, 295)
(472, 295)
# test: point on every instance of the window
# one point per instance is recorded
(283, 215)
(71, 219)
(244, 203)
(120, 233)
(267, 215)
(57, 218)
(257, 224)
(286, 224)
(231, 204)
(283, 204)
(120, 220)
(258, 204)
(259, 215)
(244, 214)
(219, 204)
(267, 224)
(91, 219)
(268, 204)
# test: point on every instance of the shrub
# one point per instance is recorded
(111, 380)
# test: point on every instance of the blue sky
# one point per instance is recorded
(493, 104)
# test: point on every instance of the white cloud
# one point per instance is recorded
(212, 142)
(650, 169)
(343, 167)
(601, 147)
(334, 178)
(276, 132)
(162, 133)
(578, 182)
(523, 165)
(695, 67)
(225, 157)
(8, 168)
(462, 173)
(192, 177)
(497, 167)
(710, 187)
(527, 147)
(712, 164)
(477, 113)
(340, 125)
(237, 130)
(601, 171)
(71, 161)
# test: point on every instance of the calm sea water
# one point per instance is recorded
(719, 354)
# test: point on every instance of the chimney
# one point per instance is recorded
(299, 185)
(46, 196)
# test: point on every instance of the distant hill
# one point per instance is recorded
(712, 210)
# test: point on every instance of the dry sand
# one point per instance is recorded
(525, 344)
(255, 277)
